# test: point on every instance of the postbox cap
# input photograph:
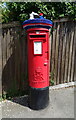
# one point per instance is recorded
(37, 23)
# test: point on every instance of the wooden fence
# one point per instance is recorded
(14, 58)
(63, 50)
(14, 55)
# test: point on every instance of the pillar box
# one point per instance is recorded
(38, 61)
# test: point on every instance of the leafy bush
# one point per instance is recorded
(19, 11)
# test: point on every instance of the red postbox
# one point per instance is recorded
(38, 62)
(38, 57)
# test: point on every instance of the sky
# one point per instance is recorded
(3, 5)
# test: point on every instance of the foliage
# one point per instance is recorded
(13, 93)
(4, 96)
(19, 11)
(1, 99)
(5, 15)
(52, 78)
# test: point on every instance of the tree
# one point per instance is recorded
(19, 11)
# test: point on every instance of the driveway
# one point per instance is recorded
(61, 105)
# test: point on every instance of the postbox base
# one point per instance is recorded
(38, 98)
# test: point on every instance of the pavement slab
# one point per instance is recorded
(61, 105)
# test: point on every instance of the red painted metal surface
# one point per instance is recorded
(38, 57)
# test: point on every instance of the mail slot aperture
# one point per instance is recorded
(37, 36)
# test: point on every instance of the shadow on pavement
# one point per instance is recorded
(23, 100)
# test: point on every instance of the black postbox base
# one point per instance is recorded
(38, 98)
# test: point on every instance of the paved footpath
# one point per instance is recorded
(61, 105)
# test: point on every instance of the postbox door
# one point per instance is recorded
(38, 66)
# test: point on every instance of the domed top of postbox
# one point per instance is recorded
(37, 23)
